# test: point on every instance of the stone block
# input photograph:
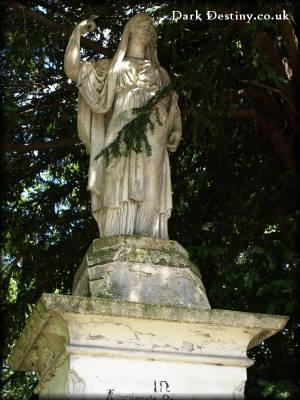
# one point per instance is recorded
(110, 349)
(140, 269)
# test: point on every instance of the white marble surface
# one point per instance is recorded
(132, 194)
(87, 347)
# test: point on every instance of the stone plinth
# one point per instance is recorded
(140, 269)
(104, 348)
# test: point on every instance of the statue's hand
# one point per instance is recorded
(88, 25)
(173, 141)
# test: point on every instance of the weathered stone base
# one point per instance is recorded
(101, 348)
(140, 269)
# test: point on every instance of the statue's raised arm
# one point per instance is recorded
(72, 54)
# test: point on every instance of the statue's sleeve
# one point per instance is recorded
(92, 98)
(92, 84)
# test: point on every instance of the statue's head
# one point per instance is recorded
(141, 27)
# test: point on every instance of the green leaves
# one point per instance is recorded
(133, 135)
(282, 390)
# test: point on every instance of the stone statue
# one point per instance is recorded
(131, 194)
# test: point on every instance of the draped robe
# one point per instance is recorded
(130, 195)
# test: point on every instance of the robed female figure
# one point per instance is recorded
(132, 193)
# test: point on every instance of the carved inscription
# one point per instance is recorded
(133, 396)
(163, 386)
(160, 389)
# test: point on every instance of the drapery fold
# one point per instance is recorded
(131, 194)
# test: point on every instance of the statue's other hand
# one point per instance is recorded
(88, 25)
(173, 141)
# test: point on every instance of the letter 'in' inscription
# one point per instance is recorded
(163, 386)
(110, 394)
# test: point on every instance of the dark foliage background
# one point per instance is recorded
(234, 175)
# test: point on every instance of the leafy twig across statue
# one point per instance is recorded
(133, 134)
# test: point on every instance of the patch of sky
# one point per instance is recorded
(106, 33)
(46, 176)
(51, 88)
(42, 9)
(40, 185)
(62, 206)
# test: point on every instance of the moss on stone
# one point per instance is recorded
(135, 254)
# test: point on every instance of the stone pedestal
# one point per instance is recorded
(138, 326)
(110, 349)
(140, 269)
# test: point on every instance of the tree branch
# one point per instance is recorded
(24, 147)
(271, 89)
(20, 8)
(33, 108)
(242, 113)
